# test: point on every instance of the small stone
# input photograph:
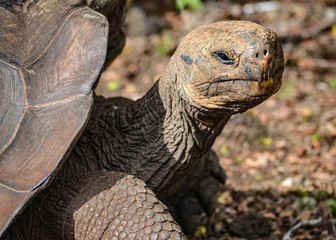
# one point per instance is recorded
(287, 183)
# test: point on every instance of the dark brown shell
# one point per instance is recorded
(51, 54)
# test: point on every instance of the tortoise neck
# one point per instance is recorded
(156, 138)
(172, 134)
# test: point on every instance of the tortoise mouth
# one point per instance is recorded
(267, 84)
(275, 74)
(242, 88)
(238, 93)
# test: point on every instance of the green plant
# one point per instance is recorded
(226, 236)
(316, 137)
(301, 192)
(332, 205)
(165, 44)
(266, 142)
(332, 82)
(333, 30)
(257, 178)
(193, 4)
(239, 160)
(113, 85)
(201, 230)
(307, 202)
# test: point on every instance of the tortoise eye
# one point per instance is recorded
(221, 56)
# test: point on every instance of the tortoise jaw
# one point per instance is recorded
(229, 96)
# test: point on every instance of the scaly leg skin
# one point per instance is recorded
(196, 194)
(100, 205)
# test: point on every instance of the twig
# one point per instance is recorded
(306, 223)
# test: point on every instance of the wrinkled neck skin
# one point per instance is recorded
(156, 138)
(174, 134)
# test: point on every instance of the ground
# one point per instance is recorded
(280, 157)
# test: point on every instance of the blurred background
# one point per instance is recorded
(280, 157)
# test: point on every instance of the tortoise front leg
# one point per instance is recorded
(100, 205)
(196, 194)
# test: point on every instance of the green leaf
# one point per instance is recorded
(238, 160)
(333, 30)
(323, 193)
(257, 178)
(113, 85)
(316, 137)
(332, 205)
(224, 149)
(201, 230)
(332, 82)
(193, 4)
(226, 236)
(301, 192)
(266, 141)
(179, 5)
(306, 202)
(165, 45)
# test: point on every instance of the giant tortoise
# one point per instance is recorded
(74, 165)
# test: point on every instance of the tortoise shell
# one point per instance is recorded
(51, 54)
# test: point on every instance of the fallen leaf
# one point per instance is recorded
(225, 198)
(113, 85)
(270, 215)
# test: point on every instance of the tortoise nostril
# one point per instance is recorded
(259, 53)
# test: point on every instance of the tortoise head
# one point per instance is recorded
(229, 67)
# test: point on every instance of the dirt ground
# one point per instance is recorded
(280, 157)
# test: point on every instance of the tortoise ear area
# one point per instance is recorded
(187, 59)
